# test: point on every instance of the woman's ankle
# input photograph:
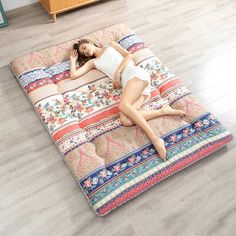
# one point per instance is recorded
(155, 138)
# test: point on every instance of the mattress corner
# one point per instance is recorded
(11, 68)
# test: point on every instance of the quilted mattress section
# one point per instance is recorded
(110, 162)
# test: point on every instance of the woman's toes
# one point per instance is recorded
(165, 158)
(182, 113)
(178, 113)
(167, 110)
(162, 155)
(159, 144)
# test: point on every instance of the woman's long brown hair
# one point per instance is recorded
(82, 59)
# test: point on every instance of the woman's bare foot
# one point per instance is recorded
(159, 144)
(167, 110)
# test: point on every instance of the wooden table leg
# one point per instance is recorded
(54, 17)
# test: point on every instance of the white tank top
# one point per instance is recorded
(109, 61)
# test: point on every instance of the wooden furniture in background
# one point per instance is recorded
(54, 7)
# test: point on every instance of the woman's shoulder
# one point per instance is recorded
(90, 64)
(104, 50)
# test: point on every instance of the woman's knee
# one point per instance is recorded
(123, 105)
(125, 121)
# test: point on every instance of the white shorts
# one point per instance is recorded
(131, 71)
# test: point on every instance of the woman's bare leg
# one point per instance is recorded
(130, 94)
(137, 105)
(149, 114)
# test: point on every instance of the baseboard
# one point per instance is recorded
(20, 10)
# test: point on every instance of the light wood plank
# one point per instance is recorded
(39, 196)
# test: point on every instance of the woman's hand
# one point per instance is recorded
(116, 81)
(73, 55)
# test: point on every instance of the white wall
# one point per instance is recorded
(12, 4)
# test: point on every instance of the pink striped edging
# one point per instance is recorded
(157, 178)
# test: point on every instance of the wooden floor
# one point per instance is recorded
(38, 195)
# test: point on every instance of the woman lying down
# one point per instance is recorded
(118, 64)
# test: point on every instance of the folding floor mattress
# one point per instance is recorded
(113, 163)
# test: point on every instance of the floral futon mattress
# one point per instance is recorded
(113, 163)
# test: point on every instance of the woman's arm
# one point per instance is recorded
(74, 74)
(120, 49)
(125, 53)
(124, 62)
(82, 70)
